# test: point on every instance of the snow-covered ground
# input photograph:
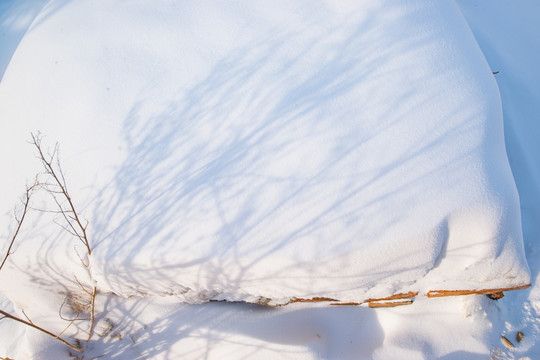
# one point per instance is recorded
(262, 152)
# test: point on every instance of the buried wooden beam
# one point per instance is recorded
(386, 300)
(441, 293)
(376, 304)
(347, 304)
(389, 303)
(408, 295)
(315, 299)
(407, 298)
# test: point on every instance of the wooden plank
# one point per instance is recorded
(441, 293)
(315, 299)
(410, 294)
(389, 304)
(407, 297)
(347, 304)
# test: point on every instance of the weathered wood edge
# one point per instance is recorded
(390, 303)
(408, 298)
(315, 299)
(408, 295)
(442, 293)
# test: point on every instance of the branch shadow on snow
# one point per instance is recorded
(211, 171)
(242, 331)
(194, 161)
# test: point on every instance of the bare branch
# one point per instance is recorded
(62, 307)
(27, 196)
(60, 181)
(73, 231)
(57, 188)
(92, 306)
(67, 229)
(26, 316)
(16, 318)
(70, 323)
(92, 313)
(86, 265)
(45, 210)
(67, 319)
(82, 286)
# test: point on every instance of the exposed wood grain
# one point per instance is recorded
(441, 293)
(408, 295)
(389, 304)
(315, 299)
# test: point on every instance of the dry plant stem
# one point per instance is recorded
(26, 316)
(62, 189)
(8, 252)
(70, 323)
(92, 314)
(92, 306)
(7, 315)
(19, 223)
(74, 224)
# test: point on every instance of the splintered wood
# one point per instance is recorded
(315, 299)
(497, 292)
(389, 303)
(408, 298)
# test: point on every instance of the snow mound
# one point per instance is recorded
(255, 150)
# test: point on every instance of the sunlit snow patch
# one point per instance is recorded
(264, 151)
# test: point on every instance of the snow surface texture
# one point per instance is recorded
(267, 151)
(342, 152)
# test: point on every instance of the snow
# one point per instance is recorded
(246, 151)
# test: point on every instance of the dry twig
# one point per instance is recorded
(5, 314)
(16, 318)
(26, 202)
(73, 225)
(59, 187)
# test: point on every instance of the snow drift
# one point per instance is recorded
(264, 151)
